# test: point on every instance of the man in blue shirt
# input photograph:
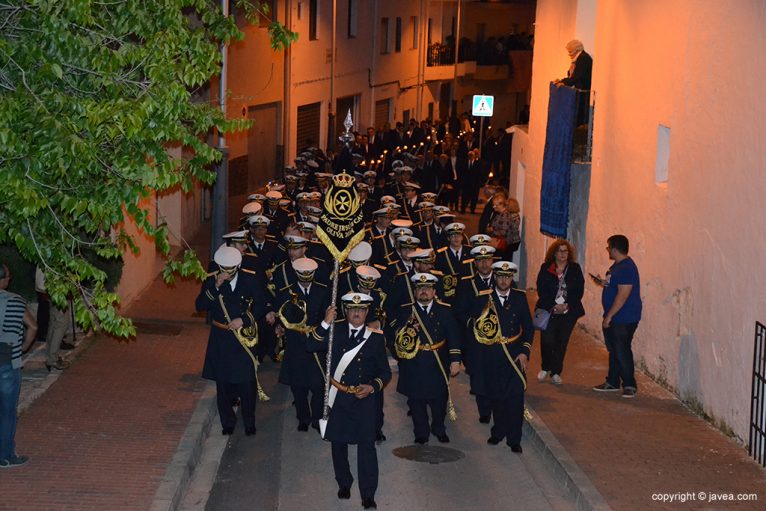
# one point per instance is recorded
(621, 299)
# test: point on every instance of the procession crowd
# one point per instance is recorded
(415, 286)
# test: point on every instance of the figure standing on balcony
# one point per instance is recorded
(579, 72)
(579, 77)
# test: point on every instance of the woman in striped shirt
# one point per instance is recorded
(14, 317)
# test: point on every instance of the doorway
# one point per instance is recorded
(263, 145)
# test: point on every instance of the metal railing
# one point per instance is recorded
(757, 442)
(582, 145)
(443, 54)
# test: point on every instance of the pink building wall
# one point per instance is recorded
(697, 68)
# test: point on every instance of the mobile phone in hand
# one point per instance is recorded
(597, 280)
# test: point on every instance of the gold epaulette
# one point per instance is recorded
(271, 236)
(520, 290)
(317, 242)
(251, 254)
(407, 304)
(344, 270)
(401, 273)
(321, 284)
(466, 277)
(468, 261)
(251, 272)
(375, 330)
(484, 292)
(212, 274)
(444, 303)
(443, 249)
(288, 286)
(380, 266)
(379, 236)
(288, 212)
(437, 273)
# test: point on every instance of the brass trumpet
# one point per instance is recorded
(299, 326)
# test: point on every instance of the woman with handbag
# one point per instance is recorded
(560, 286)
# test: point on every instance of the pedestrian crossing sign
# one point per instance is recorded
(482, 106)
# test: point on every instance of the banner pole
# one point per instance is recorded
(326, 407)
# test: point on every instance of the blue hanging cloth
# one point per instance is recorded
(557, 161)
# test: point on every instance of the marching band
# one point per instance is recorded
(418, 289)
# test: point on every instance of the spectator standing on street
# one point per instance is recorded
(560, 286)
(14, 318)
(621, 299)
(58, 323)
(504, 226)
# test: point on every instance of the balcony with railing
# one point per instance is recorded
(440, 59)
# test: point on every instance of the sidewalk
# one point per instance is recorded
(103, 433)
(633, 448)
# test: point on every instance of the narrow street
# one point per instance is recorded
(284, 469)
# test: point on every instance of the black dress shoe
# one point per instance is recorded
(421, 441)
(443, 438)
(66, 346)
(303, 426)
(493, 440)
(369, 503)
(380, 437)
(250, 431)
(484, 419)
(227, 431)
(516, 448)
(344, 493)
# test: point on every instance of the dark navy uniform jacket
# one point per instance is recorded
(470, 291)
(382, 251)
(421, 377)
(352, 420)
(496, 377)
(428, 236)
(301, 368)
(263, 260)
(225, 358)
(279, 220)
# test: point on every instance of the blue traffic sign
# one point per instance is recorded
(482, 106)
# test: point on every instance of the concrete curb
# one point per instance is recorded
(179, 473)
(564, 467)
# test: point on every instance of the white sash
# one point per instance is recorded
(345, 360)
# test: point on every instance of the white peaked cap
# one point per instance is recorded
(252, 208)
(227, 257)
(361, 252)
(304, 265)
(367, 272)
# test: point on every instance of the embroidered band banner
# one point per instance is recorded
(341, 226)
(557, 161)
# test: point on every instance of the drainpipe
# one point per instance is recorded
(331, 110)
(374, 60)
(287, 110)
(219, 225)
(457, 51)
